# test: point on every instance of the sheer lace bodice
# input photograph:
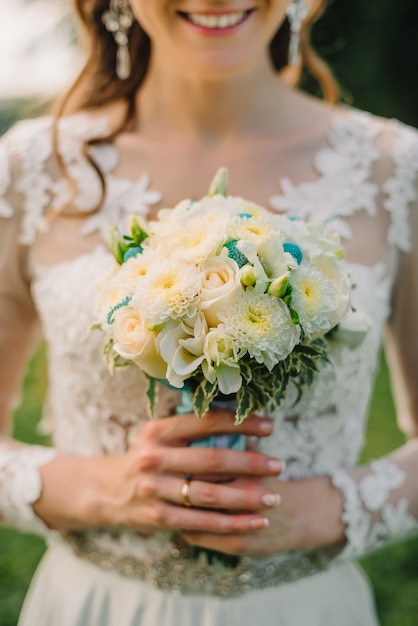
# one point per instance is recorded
(91, 412)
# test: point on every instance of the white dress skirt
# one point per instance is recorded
(69, 591)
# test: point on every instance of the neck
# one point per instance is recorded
(172, 104)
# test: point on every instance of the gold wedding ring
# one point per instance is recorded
(185, 491)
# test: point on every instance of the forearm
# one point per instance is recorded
(21, 483)
(354, 510)
(380, 501)
(41, 490)
(313, 508)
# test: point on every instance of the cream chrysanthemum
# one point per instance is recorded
(132, 271)
(169, 290)
(120, 283)
(260, 325)
(194, 244)
(315, 301)
(255, 229)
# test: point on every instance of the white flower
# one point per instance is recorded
(194, 243)
(314, 300)
(133, 270)
(188, 213)
(260, 325)
(169, 289)
(181, 344)
(316, 239)
(120, 283)
(273, 258)
(220, 278)
(255, 228)
(135, 342)
(221, 362)
(333, 270)
(268, 259)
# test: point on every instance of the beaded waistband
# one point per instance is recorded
(180, 573)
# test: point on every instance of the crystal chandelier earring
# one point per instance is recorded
(297, 11)
(118, 21)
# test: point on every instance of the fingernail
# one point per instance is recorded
(266, 427)
(259, 522)
(252, 443)
(275, 465)
(271, 499)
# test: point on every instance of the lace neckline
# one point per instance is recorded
(345, 162)
(343, 166)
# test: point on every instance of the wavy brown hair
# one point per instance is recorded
(98, 85)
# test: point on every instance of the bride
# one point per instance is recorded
(173, 89)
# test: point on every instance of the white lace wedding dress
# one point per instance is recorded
(364, 185)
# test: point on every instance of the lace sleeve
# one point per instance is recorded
(380, 503)
(381, 500)
(20, 483)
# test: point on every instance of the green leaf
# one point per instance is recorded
(294, 315)
(118, 246)
(219, 185)
(246, 371)
(151, 394)
(246, 404)
(203, 395)
(138, 230)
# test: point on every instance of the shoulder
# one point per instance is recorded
(397, 173)
(390, 136)
(36, 166)
(392, 150)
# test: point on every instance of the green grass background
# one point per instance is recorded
(393, 571)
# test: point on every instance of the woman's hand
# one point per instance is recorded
(308, 516)
(142, 489)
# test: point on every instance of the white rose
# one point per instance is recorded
(220, 280)
(135, 342)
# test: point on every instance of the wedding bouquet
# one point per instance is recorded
(223, 298)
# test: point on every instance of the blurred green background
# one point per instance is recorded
(372, 48)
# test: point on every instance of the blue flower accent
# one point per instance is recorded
(235, 253)
(247, 215)
(133, 252)
(294, 250)
(110, 316)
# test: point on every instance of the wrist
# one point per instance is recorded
(97, 501)
(21, 484)
(73, 492)
(318, 519)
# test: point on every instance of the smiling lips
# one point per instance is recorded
(214, 21)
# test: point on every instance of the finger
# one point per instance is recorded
(241, 495)
(250, 496)
(229, 543)
(165, 516)
(204, 461)
(184, 428)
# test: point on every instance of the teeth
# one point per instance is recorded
(216, 21)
